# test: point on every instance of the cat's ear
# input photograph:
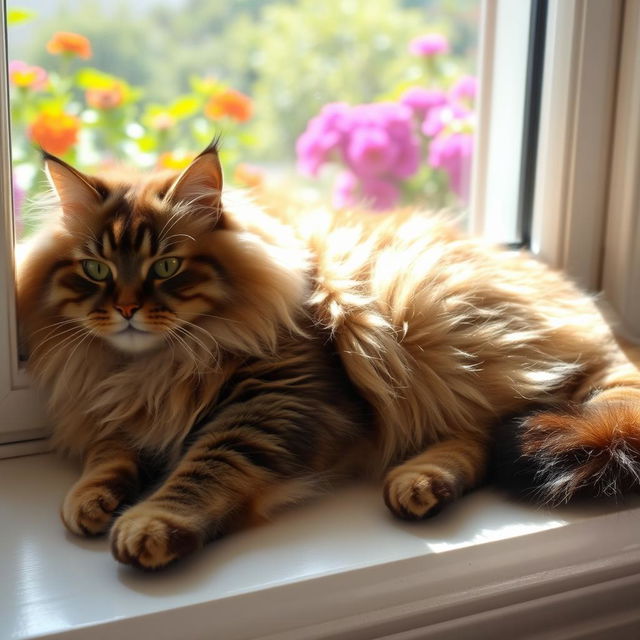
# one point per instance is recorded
(77, 194)
(200, 185)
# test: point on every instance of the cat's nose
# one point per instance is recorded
(127, 310)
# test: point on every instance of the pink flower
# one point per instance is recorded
(323, 134)
(345, 190)
(371, 151)
(465, 88)
(376, 193)
(421, 100)
(440, 117)
(453, 153)
(25, 75)
(430, 44)
(380, 194)
(18, 200)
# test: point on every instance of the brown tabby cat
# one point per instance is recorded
(257, 355)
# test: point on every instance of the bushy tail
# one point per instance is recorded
(590, 447)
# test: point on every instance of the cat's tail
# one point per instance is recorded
(590, 446)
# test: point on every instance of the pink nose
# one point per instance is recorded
(127, 310)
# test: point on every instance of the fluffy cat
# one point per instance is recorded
(255, 354)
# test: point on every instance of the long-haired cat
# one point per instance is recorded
(256, 355)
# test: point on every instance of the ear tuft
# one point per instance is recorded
(200, 184)
(77, 195)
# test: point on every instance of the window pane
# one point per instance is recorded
(368, 104)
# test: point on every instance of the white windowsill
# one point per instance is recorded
(340, 567)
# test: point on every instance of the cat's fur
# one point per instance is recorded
(293, 347)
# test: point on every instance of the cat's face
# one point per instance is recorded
(137, 272)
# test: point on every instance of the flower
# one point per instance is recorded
(380, 194)
(106, 98)
(465, 88)
(453, 153)
(430, 44)
(18, 200)
(248, 175)
(323, 135)
(371, 151)
(55, 131)
(175, 160)
(162, 121)
(230, 103)
(24, 75)
(440, 117)
(350, 191)
(421, 100)
(69, 43)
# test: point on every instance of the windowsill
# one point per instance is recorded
(338, 567)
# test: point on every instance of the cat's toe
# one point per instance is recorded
(151, 539)
(412, 495)
(87, 510)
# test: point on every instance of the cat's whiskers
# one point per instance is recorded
(197, 340)
(65, 343)
(48, 337)
(55, 324)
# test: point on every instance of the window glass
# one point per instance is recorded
(362, 103)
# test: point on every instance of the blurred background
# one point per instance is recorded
(365, 104)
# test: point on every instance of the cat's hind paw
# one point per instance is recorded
(413, 495)
(151, 538)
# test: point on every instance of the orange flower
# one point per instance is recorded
(248, 175)
(107, 98)
(55, 131)
(175, 160)
(230, 103)
(69, 43)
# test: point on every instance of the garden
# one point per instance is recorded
(368, 108)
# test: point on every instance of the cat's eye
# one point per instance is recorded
(96, 270)
(165, 267)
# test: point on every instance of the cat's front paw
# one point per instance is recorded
(412, 495)
(89, 506)
(150, 538)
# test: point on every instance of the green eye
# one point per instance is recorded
(96, 270)
(165, 267)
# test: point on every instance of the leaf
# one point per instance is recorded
(18, 16)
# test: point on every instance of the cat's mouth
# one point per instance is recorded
(134, 340)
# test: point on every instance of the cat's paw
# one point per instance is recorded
(88, 508)
(150, 538)
(412, 495)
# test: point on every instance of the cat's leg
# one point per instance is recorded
(593, 443)
(422, 485)
(214, 488)
(109, 478)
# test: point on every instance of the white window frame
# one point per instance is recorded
(621, 255)
(574, 145)
(22, 415)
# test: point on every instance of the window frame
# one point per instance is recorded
(574, 145)
(621, 255)
(21, 407)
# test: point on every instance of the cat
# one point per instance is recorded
(257, 353)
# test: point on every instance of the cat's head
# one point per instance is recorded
(136, 260)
